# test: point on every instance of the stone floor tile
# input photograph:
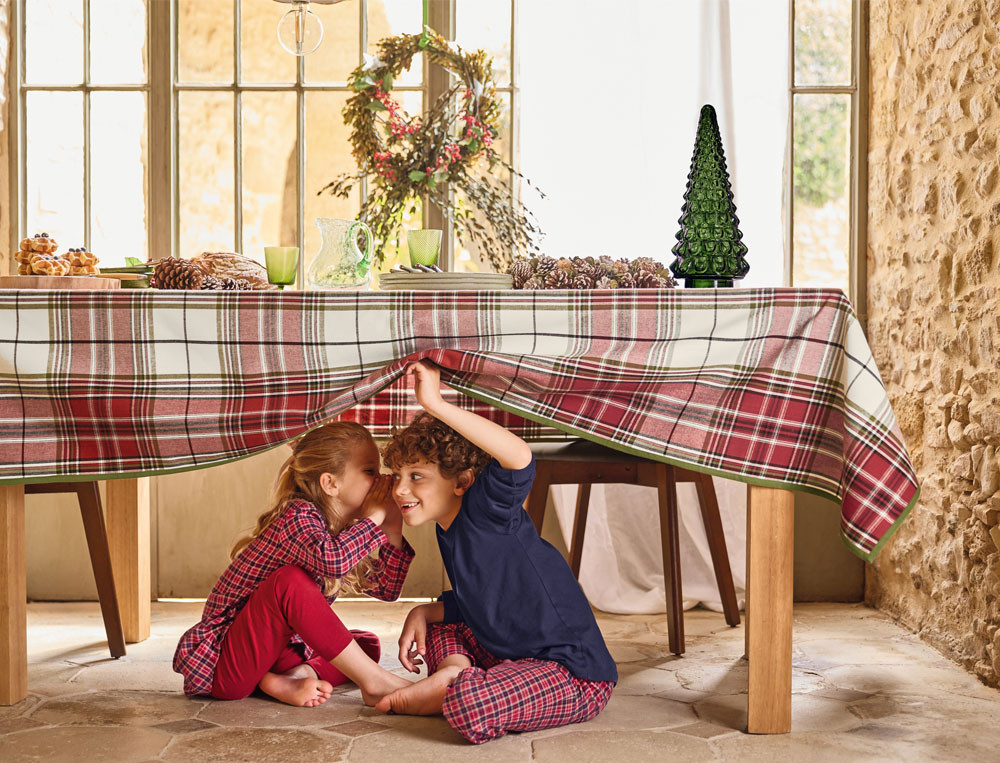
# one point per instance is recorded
(252, 745)
(602, 746)
(875, 707)
(259, 711)
(13, 725)
(844, 695)
(834, 652)
(639, 712)
(909, 679)
(810, 748)
(357, 728)
(53, 679)
(683, 695)
(415, 738)
(880, 732)
(184, 727)
(120, 675)
(116, 709)
(637, 679)
(703, 730)
(809, 713)
(16, 711)
(80, 743)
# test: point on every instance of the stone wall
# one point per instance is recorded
(934, 312)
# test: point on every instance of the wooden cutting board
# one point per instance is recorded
(58, 282)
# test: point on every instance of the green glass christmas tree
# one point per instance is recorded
(709, 250)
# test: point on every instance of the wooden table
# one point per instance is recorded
(774, 387)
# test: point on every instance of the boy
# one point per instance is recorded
(514, 646)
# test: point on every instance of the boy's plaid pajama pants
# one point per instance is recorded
(495, 696)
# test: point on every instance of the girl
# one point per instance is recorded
(268, 621)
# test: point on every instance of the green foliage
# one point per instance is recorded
(821, 130)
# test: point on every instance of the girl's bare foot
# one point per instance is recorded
(421, 698)
(385, 683)
(299, 686)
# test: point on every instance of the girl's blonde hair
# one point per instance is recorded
(325, 449)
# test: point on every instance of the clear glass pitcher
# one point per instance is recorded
(340, 263)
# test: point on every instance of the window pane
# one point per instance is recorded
(821, 192)
(822, 42)
(337, 55)
(327, 157)
(387, 18)
(205, 41)
(205, 172)
(118, 42)
(269, 172)
(486, 26)
(118, 176)
(262, 57)
(467, 257)
(53, 42)
(54, 194)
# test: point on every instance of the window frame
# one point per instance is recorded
(858, 170)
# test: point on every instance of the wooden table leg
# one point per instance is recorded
(770, 517)
(13, 597)
(127, 518)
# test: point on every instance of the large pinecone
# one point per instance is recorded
(521, 271)
(533, 283)
(175, 273)
(557, 279)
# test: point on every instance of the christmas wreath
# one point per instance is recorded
(407, 157)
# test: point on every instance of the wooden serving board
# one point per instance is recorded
(58, 282)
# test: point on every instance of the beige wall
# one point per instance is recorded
(934, 302)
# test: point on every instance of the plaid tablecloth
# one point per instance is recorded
(772, 386)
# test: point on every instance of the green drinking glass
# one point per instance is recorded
(424, 246)
(282, 264)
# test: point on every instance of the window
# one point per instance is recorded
(179, 127)
(827, 174)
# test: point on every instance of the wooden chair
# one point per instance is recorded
(100, 556)
(584, 463)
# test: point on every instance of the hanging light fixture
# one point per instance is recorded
(300, 31)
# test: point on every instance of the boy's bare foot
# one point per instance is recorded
(387, 683)
(299, 686)
(421, 698)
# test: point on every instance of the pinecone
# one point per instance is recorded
(590, 268)
(234, 284)
(644, 263)
(647, 279)
(626, 281)
(582, 282)
(533, 283)
(557, 279)
(175, 273)
(544, 265)
(210, 283)
(521, 271)
(602, 283)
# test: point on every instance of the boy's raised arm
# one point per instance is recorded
(507, 448)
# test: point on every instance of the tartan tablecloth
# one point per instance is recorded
(771, 386)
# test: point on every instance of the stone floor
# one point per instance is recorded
(864, 689)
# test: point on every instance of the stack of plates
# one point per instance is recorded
(398, 281)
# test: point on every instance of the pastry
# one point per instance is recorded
(24, 269)
(40, 242)
(80, 257)
(48, 265)
(23, 257)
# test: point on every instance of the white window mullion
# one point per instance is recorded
(238, 128)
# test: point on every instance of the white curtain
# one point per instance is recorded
(610, 96)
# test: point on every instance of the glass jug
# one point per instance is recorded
(340, 264)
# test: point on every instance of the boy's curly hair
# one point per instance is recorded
(428, 439)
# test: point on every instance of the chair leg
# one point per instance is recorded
(539, 496)
(100, 559)
(709, 504)
(579, 528)
(670, 540)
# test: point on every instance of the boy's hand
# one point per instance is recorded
(413, 638)
(379, 503)
(428, 383)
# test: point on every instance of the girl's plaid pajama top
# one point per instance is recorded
(300, 537)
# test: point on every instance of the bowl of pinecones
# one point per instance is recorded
(221, 271)
(602, 272)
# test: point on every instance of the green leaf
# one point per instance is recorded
(431, 183)
(387, 81)
(133, 262)
(374, 105)
(416, 175)
(363, 83)
(473, 146)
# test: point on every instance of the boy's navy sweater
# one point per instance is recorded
(513, 589)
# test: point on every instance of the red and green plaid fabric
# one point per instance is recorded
(771, 386)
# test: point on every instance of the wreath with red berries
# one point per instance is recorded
(450, 146)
